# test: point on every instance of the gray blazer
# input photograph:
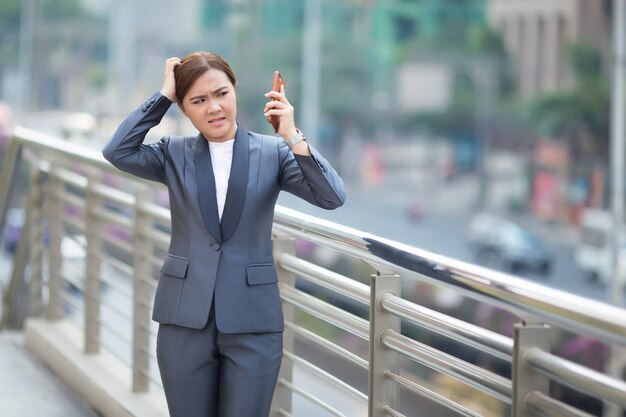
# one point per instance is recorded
(232, 259)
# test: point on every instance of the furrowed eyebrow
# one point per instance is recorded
(197, 97)
(204, 95)
(220, 89)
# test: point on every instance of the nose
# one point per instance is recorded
(213, 107)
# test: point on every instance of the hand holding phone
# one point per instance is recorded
(276, 85)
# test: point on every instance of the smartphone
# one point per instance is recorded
(278, 82)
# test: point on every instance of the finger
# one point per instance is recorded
(276, 112)
(172, 62)
(280, 107)
(275, 95)
(275, 104)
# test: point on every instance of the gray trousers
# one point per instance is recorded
(206, 373)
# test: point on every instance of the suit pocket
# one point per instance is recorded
(175, 266)
(261, 274)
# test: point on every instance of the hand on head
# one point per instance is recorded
(169, 81)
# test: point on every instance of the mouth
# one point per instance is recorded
(217, 121)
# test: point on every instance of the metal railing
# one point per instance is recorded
(72, 193)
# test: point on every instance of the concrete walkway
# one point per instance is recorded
(28, 388)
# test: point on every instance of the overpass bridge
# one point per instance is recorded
(364, 336)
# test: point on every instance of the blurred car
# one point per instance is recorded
(505, 245)
(594, 250)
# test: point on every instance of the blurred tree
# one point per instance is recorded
(479, 46)
(580, 114)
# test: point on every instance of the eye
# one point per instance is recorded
(222, 93)
(197, 101)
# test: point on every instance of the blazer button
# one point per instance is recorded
(216, 246)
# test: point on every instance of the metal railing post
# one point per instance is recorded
(17, 296)
(525, 380)
(55, 235)
(142, 271)
(10, 166)
(382, 392)
(284, 244)
(91, 294)
(36, 238)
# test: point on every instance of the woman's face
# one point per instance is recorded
(211, 105)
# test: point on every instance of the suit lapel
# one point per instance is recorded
(206, 187)
(237, 184)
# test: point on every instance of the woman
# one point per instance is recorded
(219, 345)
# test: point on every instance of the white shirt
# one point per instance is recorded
(221, 159)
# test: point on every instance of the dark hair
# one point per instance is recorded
(193, 66)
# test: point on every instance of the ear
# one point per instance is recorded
(182, 109)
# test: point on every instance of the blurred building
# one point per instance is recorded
(536, 33)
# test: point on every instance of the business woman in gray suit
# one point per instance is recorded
(219, 345)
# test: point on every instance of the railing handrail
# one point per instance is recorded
(576, 313)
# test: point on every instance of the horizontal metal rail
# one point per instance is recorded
(310, 398)
(159, 213)
(105, 215)
(120, 244)
(71, 301)
(391, 412)
(156, 236)
(477, 337)
(545, 406)
(119, 265)
(116, 332)
(472, 375)
(325, 278)
(326, 376)
(326, 344)
(68, 177)
(118, 311)
(577, 376)
(431, 395)
(326, 312)
(73, 200)
(114, 195)
(117, 287)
